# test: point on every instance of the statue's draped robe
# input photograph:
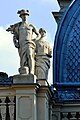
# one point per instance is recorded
(42, 59)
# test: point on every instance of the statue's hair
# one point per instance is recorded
(43, 30)
(19, 11)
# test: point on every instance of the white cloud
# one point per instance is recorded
(4, 38)
(8, 54)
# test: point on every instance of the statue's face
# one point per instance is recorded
(23, 17)
(43, 34)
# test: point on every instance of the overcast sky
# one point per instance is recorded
(40, 16)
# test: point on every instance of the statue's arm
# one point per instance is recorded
(35, 30)
(14, 30)
(49, 50)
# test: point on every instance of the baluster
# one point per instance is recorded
(73, 116)
(65, 116)
(3, 108)
(11, 107)
(78, 116)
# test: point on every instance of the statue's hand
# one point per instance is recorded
(49, 55)
(16, 42)
(17, 45)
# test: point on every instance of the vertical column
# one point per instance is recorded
(43, 103)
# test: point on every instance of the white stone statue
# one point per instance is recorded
(22, 38)
(43, 55)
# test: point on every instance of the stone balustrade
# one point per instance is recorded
(7, 107)
(70, 116)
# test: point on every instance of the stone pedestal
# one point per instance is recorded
(25, 97)
(24, 79)
(32, 98)
(26, 104)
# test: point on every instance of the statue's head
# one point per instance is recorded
(42, 32)
(23, 12)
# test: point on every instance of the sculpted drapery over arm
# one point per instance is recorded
(22, 38)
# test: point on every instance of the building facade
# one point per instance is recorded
(24, 97)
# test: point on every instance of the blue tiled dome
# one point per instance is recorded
(67, 47)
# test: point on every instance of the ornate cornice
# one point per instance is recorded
(62, 4)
